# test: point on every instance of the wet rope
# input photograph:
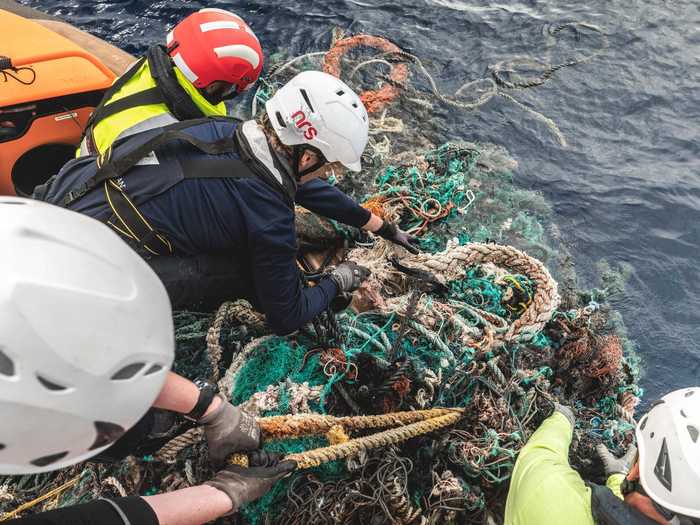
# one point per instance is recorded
(503, 76)
(314, 458)
(26, 506)
(408, 425)
(300, 425)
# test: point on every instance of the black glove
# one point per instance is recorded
(349, 276)
(393, 233)
(243, 485)
(228, 429)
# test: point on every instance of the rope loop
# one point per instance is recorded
(374, 100)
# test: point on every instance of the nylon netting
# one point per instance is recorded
(476, 321)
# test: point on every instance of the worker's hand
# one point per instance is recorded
(567, 412)
(348, 276)
(615, 465)
(228, 429)
(244, 485)
(393, 233)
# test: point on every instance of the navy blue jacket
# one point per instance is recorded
(249, 219)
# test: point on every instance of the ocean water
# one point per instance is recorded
(625, 188)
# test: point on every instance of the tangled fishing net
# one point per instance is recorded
(475, 324)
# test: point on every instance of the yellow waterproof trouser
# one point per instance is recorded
(544, 489)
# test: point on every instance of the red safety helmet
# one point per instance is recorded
(213, 44)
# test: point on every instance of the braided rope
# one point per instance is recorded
(213, 339)
(282, 427)
(240, 311)
(314, 458)
(172, 448)
(279, 427)
(451, 264)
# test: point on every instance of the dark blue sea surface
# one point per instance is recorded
(627, 186)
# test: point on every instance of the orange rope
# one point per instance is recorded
(375, 101)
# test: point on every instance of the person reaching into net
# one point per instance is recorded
(210, 202)
(86, 346)
(657, 485)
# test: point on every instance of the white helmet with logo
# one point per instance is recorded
(319, 110)
(86, 337)
(668, 437)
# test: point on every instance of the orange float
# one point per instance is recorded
(375, 100)
(48, 88)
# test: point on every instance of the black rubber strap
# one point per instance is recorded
(206, 396)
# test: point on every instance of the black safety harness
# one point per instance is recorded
(126, 219)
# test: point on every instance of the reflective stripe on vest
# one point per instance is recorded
(153, 94)
(159, 121)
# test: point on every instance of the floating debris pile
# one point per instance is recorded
(476, 324)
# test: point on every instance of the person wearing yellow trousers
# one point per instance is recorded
(639, 490)
(210, 56)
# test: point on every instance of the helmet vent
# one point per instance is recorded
(306, 99)
(154, 368)
(340, 93)
(106, 433)
(662, 469)
(128, 371)
(689, 393)
(693, 433)
(280, 120)
(47, 460)
(50, 385)
(7, 366)
(643, 423)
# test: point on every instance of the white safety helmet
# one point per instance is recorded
(86, 337)
(320, 111)
(668, 438)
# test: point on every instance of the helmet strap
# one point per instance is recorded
(231, 94)
(172, 47)
(298, 152)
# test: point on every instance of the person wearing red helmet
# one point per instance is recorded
(210, 56)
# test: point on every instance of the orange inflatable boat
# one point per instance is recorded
(49, 85)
